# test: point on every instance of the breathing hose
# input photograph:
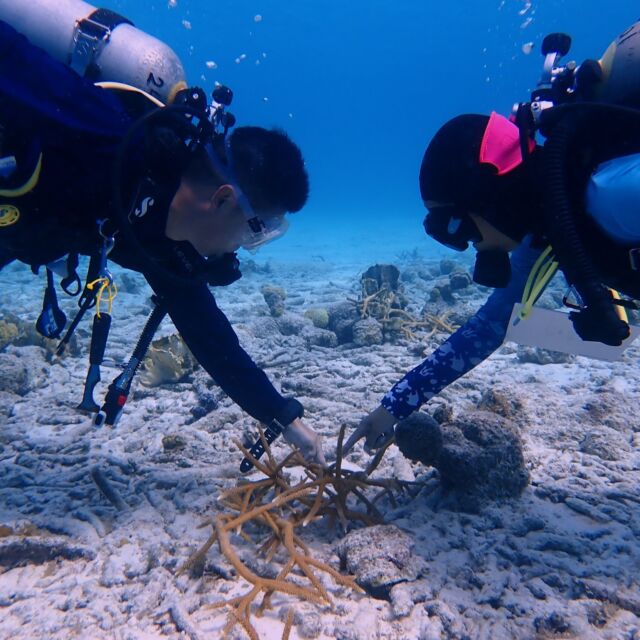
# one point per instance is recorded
(559, 213)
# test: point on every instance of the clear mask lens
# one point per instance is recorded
(261, 231)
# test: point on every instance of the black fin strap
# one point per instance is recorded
(72, 279)
(52, 319)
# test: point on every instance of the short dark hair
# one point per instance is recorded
(268, 167)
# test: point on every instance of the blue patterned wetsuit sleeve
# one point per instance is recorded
(472, 343)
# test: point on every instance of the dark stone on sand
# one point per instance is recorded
(379, 276)
(172, 442)
(444, 292)
(14, 375)
(274, 297)
(447, 266)
(380, 557)
(419, 438)
(478, 455)
(315, 337)
(342, 317)
(459, 280)
(482, 453)
(553, 624)
(367, 332)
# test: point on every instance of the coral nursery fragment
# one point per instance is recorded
(269, 514)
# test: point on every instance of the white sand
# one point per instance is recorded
(487, 577)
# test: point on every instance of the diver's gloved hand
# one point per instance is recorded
(306, 440)
(376, 428)
(600, 324)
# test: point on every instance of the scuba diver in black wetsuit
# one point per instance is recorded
(571, 204)
(110, 172)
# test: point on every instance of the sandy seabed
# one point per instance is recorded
(562, 560)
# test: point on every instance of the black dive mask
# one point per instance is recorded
(493, 269)
(451, 227)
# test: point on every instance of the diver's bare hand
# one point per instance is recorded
(306, 440)
(376, 428)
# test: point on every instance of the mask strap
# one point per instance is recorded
(227, 173)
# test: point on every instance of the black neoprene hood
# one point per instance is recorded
(450, 163)
(451, 173)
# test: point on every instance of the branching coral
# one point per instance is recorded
(381, 299)
(281, 509)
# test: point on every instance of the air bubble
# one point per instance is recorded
(525, 9)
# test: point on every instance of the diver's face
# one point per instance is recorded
(221, 228)
(208, 218)
(220, 220)
(230, 225)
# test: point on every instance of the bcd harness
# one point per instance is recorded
(100, 289)
(562, 110)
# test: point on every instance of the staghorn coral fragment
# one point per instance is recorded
(279, 508)
(287, 625)
(381, 299)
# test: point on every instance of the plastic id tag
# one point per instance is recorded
(554, 330)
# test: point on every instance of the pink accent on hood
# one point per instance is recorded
(501, 144)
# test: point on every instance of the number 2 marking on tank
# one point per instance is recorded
(152, 81)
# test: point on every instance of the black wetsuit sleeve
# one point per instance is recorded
(470, 345)
(213, 342)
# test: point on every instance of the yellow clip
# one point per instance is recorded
(105, 285)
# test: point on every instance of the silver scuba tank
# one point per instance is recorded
(621, 67)
(98, 44)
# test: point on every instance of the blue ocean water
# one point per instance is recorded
(362, 86)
